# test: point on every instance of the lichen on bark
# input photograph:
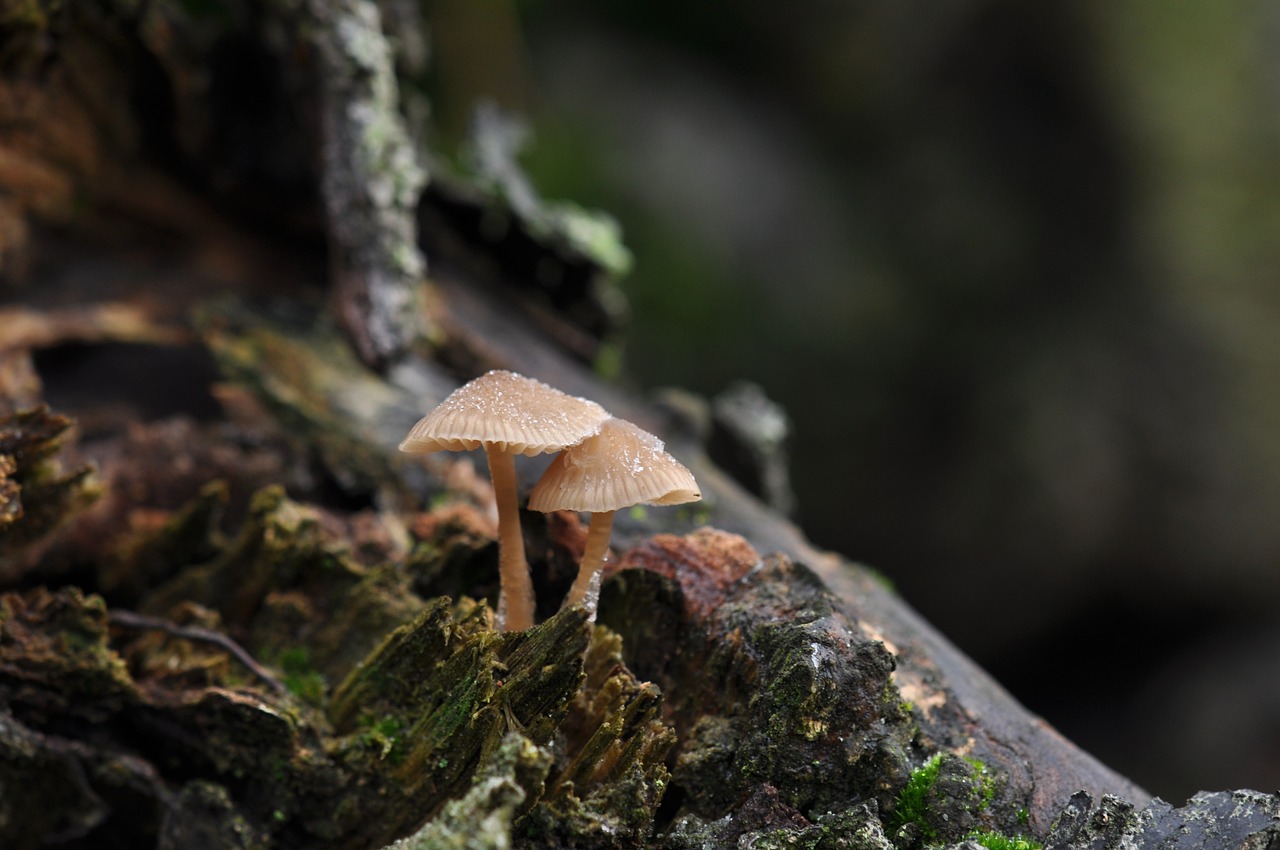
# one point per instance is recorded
(1245, 819)
(371, 178)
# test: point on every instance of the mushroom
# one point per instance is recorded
(507, 414)
(619, 466)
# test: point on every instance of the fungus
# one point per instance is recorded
(507, 414)
(621, 465)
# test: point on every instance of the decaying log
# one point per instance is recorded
(740, 688)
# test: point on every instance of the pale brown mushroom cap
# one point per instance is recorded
(622, 465)
(509, 412)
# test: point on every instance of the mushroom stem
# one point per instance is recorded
(598, 534)
(515, 593)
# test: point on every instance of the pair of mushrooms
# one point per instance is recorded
(604, 464)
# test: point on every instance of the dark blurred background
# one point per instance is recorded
(1012, 270)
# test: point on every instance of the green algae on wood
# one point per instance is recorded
(455, 688)
(792, 733)
(395, 674)
(601, 788)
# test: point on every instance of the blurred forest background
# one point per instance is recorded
(1010, 268)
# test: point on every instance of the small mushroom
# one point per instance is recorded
(507, 414)
(621, 465)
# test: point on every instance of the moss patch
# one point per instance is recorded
(912, 805)
(945, 800)
(999, 841)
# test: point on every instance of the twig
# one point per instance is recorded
(133, 620)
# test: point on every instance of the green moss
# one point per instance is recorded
(912, 804)
(999, 841)
(948, 799)
(384, 736)
(301, 677)
(986, 782)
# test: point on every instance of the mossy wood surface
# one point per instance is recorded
(233, 615)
